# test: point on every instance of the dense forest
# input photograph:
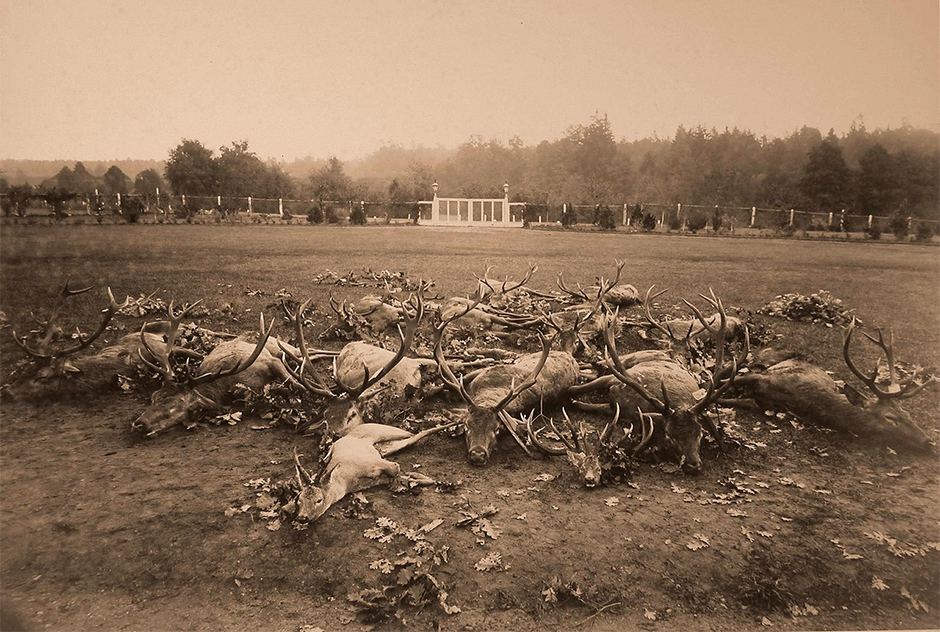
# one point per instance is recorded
(880, 172)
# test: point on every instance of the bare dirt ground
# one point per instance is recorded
(804, 529)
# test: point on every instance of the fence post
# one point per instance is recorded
(869, 221)
(662, 219)
(280, 207)
(626, 220)
(218, 201)
(183, 198)
(96, 203)
(249, 205)
(830, 220)
(679, 215)
(753, 215)
(842, 221)
(791, 217)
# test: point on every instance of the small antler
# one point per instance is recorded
(505, 286)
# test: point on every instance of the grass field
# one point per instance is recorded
(99, 530)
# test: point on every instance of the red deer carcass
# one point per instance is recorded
(356, 461)
(585, 450)
(500, 391)
(807, 392)
(682, 404)
(372, 384)
(56, 373)
(681, 332)
(474, 313)
(232, 362)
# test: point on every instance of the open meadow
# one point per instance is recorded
(798, 527)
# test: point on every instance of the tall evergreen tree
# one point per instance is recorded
(826, 177)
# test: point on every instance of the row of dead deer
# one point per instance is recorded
(651, 390)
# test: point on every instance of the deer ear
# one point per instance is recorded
(68, 367)
(856, 398)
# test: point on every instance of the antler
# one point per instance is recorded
(515, 391)
(656, 324)
(318, 386)
(505, 286)
(406, 338)
(205, 378)
(616, 366)
(42, 352)
(165, 367)
(896, 390)
(720, 372)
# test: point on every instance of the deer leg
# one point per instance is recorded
(744, 402)
(391, 447)
(600, 383)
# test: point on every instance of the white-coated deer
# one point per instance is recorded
(810, 394)
(180, 401)
(356, 461)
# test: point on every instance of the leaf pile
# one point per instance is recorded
(820, 307)
(142, 306)
(479, 522)
(407, 580)
(277, 405)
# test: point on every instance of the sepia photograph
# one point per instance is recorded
(469, 316)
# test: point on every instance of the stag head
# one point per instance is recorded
(51, 365)
(585, 450)
(483, 419)
(884, 408)
(680, 431)
(178, 401)
(343, 412)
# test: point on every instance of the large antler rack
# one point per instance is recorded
(447, 374)
(603, 286)
(485, 283)
(164, 366)
(43, 351)
(722, 376)
(896, 389)
(412, 312)
(612, 359)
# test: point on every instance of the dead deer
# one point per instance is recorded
(580, 324)
(586, 448)
(681, 332)
(356, 461)
(180, 401)
(370, 383)
(498, 392)
(476, 314)
(57, 372)
(810, 394)
(682, 405)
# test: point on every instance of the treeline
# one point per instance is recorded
(881, 172)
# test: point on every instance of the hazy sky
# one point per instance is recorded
(98, 80)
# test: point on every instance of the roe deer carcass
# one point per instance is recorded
(811, 395)
(181, 401)
(356, 461)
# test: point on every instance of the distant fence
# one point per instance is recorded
(678, 216)
(684, 216)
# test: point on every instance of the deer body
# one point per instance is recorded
(811, 395)
(356, 462)
(400, 390)
(64, 378)
(180, 402)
